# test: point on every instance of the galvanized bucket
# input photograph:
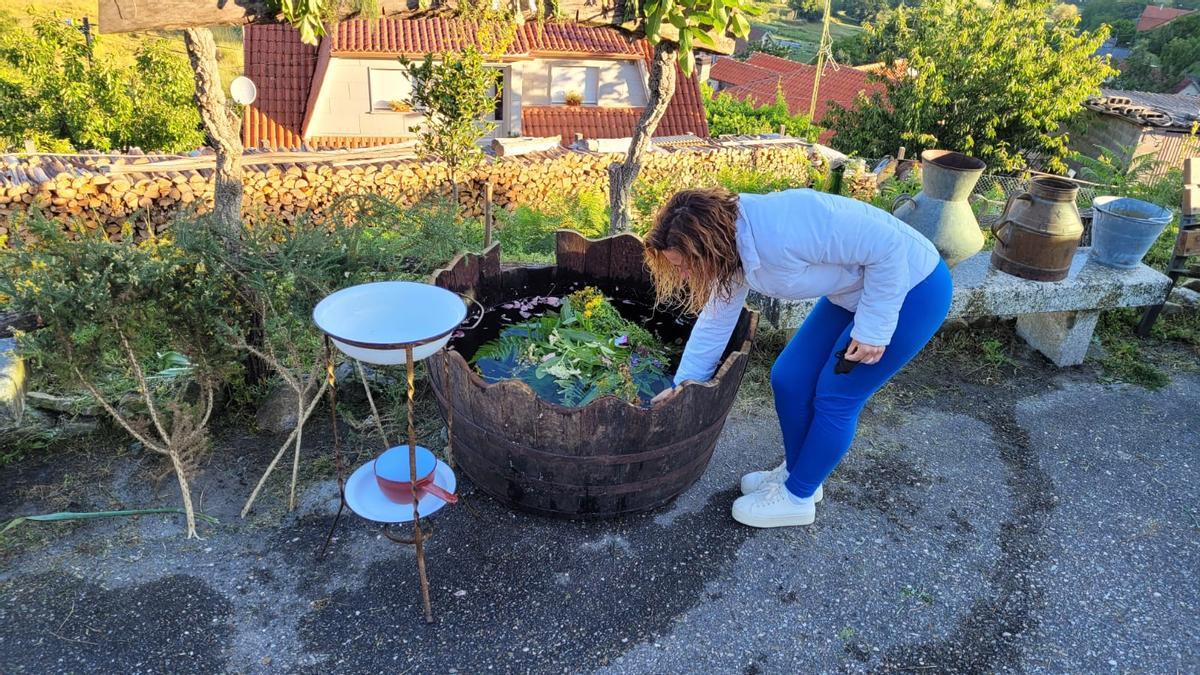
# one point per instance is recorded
(1124, 229)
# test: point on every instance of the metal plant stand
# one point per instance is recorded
(392, 515)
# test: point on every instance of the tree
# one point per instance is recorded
(56, 91)
(222, 121)
(456, 93)
(1141, 71)
(1095, 13)
(223, 124)
(862, 10)
(993, 81)
(807, 10)
(1123, 31)
(854, 49)
(1064, 13)
(690, 22)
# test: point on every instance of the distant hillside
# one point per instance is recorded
(801, 36)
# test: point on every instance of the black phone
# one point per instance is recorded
(843, 366)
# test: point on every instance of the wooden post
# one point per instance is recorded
(783, 130)
(821, 48)
(487, 213)
(900, 154)
(1187, 244)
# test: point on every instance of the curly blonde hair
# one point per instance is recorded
(700, 225)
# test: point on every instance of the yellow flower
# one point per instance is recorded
(38, 265)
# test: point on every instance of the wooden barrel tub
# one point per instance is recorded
(607, 458)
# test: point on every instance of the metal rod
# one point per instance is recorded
(371, 401)
(418, 536)
(331, 380)
(449, 408)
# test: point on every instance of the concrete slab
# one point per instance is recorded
(1053, 531)
(981, 290)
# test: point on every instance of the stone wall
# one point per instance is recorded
(150, 192)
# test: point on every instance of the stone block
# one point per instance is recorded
(1185, 297)
(1063, 337)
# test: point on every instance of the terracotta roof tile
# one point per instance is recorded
(282, 68)
(734, 73)
(393, 37)
(775, 63)
(839, 85)
(1152, 17)
(566, 121)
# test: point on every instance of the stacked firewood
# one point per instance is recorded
(145, 192)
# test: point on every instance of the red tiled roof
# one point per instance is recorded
(394, 37)
(775, 63)
(1152, 17)
(685, 115)
(733, 72)
(840, 85)
(566, 121)
(282, 68)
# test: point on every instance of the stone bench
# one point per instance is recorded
(1057, 318)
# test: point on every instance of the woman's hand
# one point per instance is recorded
(863, 353)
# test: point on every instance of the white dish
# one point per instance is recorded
(364, 497)
(373, 322)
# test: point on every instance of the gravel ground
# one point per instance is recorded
(1040, 523)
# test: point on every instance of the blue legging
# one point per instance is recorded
(818, 409)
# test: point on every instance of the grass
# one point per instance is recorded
(1172, 346)
(910, 593)
(121, 46)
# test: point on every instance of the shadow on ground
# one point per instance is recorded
(1013, 519)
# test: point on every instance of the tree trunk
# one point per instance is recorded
(224, 129)
(621, 175)
(126, 16)
(222, 125)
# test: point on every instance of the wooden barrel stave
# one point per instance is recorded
(605, 459)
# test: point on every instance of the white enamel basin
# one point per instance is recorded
(373, 322)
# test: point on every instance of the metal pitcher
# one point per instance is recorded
(1039, 231)
(940, 211)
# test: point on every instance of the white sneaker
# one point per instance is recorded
(772, 506)
(757, 480)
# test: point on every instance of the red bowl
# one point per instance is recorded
(401, 491)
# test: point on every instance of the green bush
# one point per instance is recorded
(527, 232)
(59, 94)
(750, 180)
(112, 310)
(728, 115)
(649, 194)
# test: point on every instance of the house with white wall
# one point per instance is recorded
(554, 79)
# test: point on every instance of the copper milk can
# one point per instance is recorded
(1039, 231)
